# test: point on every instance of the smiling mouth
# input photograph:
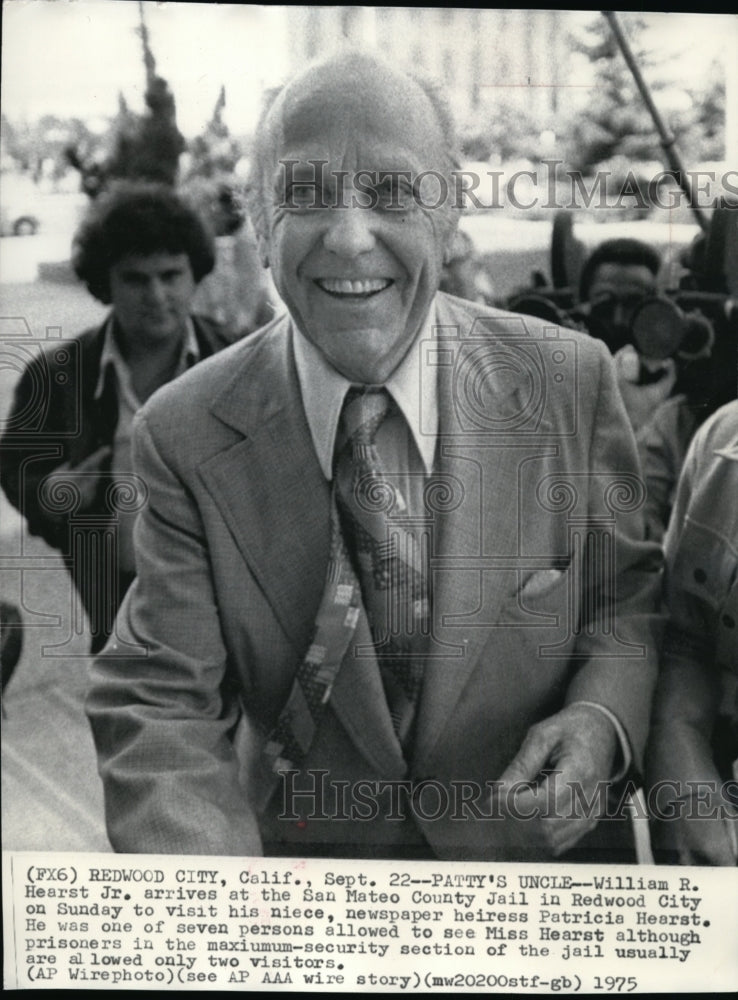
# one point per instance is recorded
(344, 288)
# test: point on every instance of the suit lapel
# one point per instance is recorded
(482, 469)
(269, 486)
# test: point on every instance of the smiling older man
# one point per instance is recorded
(392, 586)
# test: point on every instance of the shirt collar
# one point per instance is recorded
(111, 355)
(323, 390)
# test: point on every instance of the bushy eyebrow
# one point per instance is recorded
(135, 272)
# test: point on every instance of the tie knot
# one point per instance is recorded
(363, 411)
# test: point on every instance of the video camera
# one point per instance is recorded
(696, 323)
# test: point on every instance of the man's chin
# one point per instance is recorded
(365, 366)
(161, 332)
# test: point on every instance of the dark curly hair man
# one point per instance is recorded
(66, 453)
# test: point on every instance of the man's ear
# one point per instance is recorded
(262, 243)
(261, 232)
(453, 225)
(260, 225)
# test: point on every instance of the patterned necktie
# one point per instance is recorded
(292, 736)
(368, 537)
(388, 555)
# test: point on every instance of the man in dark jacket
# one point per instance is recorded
(66, 462)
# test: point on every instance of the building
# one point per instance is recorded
(482, 56)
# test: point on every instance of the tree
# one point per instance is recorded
(509, 132)
(707, 124)
(210, 176)
(615, 121)
(144, 147)
(39, 148)
(214, 152)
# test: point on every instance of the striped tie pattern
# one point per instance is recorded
(335, 625)
(388, 554)
(375, 558)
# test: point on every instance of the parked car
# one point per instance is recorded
(18, 197)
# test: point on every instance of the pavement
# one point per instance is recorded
(52, 797)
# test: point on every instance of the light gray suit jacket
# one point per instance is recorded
(543, 589)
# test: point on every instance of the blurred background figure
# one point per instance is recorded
(699, 324)
(616, 278)
(239, 291)
(694, 736)
(685, 343)
(463, 274)
(66, 451)
(675, 350)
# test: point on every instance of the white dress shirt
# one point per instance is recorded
(128, 404)
(405, 446)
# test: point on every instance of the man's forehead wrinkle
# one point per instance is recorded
(327, 159)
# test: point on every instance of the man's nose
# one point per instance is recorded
(156, 290)
(621, 315)
(350, 231)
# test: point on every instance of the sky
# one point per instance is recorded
(72, 57)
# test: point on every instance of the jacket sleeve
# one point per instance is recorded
(700, 566)
(161, 713)
(31, 451)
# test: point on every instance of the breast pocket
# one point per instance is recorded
(702, 590)
(701, 571)
(543, 595)
(726, 647)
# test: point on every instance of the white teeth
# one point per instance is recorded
(342, 286)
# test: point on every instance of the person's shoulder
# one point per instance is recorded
(192, 394)
(477, 319)
(719, 432)
(55, 349)
(60, 362)
(709, 476)
(536, 344)
(217, 334)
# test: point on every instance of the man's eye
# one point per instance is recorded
(603, 302)
(632, 301)
(302, 196)
(394, 195)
